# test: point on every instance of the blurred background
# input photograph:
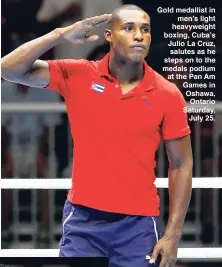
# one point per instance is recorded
(39, 145)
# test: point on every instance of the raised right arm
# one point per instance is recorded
(22, 64)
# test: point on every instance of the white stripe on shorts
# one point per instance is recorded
(155, 229)
(65, 221)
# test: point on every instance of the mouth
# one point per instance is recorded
(138, 47)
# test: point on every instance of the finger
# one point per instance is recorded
(98, 20)
(172, 262)
(164, 262)
(101, 21)
(155, 254)
(92, 38)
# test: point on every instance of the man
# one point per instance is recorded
(119, 108)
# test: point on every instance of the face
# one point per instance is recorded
(130, 36)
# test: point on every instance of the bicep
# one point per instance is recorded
(37, 76)
(179, 151)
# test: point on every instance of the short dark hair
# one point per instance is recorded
(115, 13)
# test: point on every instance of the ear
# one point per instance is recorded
(108, 35)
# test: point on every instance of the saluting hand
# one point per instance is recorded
(79, 32)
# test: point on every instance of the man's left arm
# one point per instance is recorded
(176, 133)
(179, 154)
(180, 183)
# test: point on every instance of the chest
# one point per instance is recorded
(107, 107)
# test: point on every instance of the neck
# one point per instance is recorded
(124, 71)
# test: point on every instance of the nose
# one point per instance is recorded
(138, 36)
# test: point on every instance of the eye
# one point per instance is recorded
(145, 29)
(128, 28)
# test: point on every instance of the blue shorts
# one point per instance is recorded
(125, 240)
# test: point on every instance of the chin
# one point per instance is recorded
(137, 58)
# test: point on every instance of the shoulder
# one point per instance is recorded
(94, 65)
(166, 88)
(68, 67)
(163, 85)
(167, 94)
(75, 64)
(69, 62)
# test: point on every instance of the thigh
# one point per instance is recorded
(134, 243)
(79, 238)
